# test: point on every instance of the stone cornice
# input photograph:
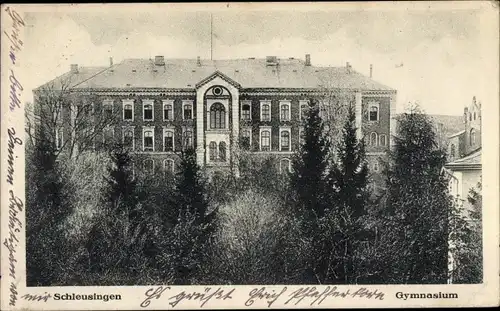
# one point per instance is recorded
(248, 92)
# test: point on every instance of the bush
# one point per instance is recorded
(256, 243)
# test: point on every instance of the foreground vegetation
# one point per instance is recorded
(91, 221)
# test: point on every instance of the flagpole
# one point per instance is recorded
(211, 37)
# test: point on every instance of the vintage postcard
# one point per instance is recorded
(249, 155)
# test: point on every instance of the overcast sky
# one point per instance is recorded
(430, 55)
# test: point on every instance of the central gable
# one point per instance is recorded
(218, 75)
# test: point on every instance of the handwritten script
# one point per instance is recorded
(16, 206)
(310, 295)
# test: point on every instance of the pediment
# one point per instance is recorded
(218, 75)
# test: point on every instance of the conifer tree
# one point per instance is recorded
(418, 203)
(308, 181)
(184, 249)
(349, 177)
(310, 194)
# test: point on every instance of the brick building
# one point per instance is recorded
(464, 168)
(222, 107)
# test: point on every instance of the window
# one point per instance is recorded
(472, 137)
(375, 166)
(148, 140)
(188, 137)
(246, 112)
(285, 166)
(246, 139)
(147, 110)
(168, 140)
(149, 166)
(265, 140)
(383, 140)
(285, 140)
(59, 138)
(168, 166)
(187, 109)
(128, 110)
(108, 135)
(323, 111)
(128, 138)
(217, 116)
(168, 110)
(452, 150)
(301, 136)
(212, 147)
(470, 116)
(373, 113)
(265, 111)
(474, 116)
(373, 139)
(303, 109)
(285, 111)
(107, 107)
(222, 151)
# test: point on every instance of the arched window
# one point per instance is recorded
(285, 166)
(452, 150)
(128, 138)
(217, 116)
(128, 112)
(285, 112)
(373, 139)
(265, 141)
(472, 136)
(212, 149)
(285, 141)
(148, 141)
(222, 151)
(188, 137)
(470, 116)
(168, 141)
(245, 112)
(383, 140)
(148, 112)
(168, 166)
(373, 113)
(266, 112)
(474, 116)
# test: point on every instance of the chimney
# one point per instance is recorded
(110, 61)
(198, 61)
(371, 71)
(308, 59)
(159, 60)
(271, 60)
(348, 67)
(74, 68)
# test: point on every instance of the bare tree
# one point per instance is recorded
(70, 119)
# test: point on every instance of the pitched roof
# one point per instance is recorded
(471, 161)
(249, 73)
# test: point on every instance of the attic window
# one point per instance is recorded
(128, 84)
(236, 70)
(155, 70)
(189, 85)
(133, 70)
(193, 70)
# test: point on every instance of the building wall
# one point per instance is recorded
(472, 120)
(375, 152)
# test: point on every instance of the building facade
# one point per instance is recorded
(464, 168)
(222, 108)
